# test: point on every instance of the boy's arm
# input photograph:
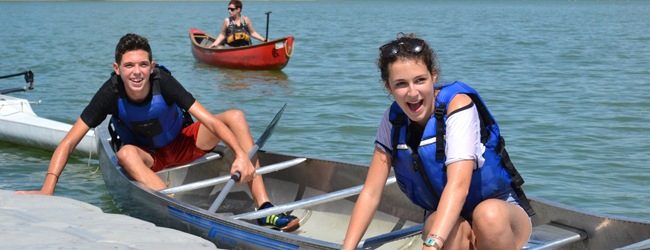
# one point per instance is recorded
(60, 158)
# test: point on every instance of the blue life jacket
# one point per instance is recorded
(153, 124)
(421, 173)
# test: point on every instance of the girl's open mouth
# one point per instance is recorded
(415, 107)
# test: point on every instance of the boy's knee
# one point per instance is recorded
(233, 116)
(237, 115)
(126, 152)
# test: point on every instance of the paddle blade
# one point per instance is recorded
(269, 130)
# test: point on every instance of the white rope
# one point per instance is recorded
(90, 153)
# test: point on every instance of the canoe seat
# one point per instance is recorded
(206, 41)
(554, 236)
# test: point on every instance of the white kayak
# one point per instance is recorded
(20, 125)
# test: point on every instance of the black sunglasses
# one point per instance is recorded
(414, 45)
(232, 9)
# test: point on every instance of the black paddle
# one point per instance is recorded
(267, 25)
(258, 144)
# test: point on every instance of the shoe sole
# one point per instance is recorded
(292, 226)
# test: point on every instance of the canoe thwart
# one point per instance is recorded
(225, 178)
(312, 201)
(553, 236)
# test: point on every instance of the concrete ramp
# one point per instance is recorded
(51, 222)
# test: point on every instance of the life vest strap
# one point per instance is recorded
(439, 114)
(517, 180)
(418, 166)
(398, 122)
(116, 143)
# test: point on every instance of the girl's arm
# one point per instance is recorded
(366, 205)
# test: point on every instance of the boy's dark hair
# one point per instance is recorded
(131, 42)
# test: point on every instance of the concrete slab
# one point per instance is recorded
(51, 222)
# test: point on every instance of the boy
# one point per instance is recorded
(148, 106)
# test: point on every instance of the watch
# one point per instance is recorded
(431, 242)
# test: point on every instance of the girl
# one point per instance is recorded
(448, 158)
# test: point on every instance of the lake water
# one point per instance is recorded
(567, 81)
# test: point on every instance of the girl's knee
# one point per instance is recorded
(492, 215)
(490, 211)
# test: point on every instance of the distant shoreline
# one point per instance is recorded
(168, 0)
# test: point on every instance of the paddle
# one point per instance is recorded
(267, 25)
(258, 144)
(29, 78)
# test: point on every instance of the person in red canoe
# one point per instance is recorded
(236, 29)
(149, 109)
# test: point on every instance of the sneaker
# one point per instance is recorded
(280, 221)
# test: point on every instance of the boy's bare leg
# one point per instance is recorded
(138, 164)
(235, 120)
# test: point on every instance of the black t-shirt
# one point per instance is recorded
(105, 100)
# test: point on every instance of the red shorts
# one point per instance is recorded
(180, 151)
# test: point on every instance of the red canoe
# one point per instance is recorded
(272, 55)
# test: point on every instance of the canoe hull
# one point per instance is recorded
(20, 125)
(323, 226)
(272, 55)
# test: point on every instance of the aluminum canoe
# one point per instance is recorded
(323, 193)
(20, 125)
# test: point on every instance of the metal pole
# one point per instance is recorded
(312, 201)
(17, 74)
(267, 25)
(222, 179)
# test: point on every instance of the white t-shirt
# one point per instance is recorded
(463, 136)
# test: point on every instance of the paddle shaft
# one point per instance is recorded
(224, 192)
(267, 25)
(260, 142)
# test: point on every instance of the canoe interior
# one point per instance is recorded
(204, 39)
(324, 222)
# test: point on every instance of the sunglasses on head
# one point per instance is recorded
(414, 45)
(232, 9)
